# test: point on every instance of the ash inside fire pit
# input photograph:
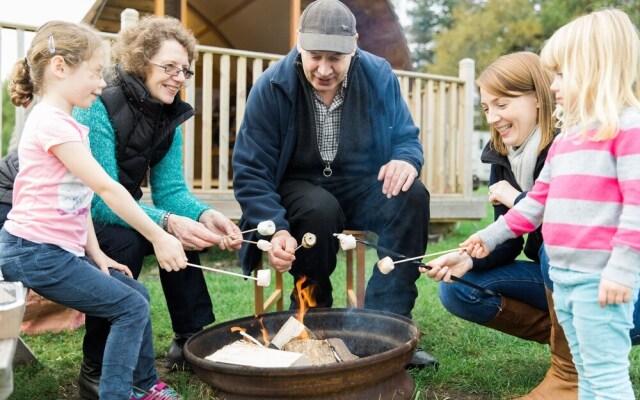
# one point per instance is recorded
(384, 342)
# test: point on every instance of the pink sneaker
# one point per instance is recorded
(159, 391)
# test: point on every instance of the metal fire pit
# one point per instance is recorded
(385, 343)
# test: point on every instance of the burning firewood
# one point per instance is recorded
(243, 353)
(320, 352)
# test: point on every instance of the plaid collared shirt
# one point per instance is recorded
(328, 123)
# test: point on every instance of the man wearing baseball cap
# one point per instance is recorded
(327, 144)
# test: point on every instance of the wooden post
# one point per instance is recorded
(466, 69)
(128, 17)
(294, 20)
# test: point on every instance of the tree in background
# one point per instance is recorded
(443, 32)
(429, 17)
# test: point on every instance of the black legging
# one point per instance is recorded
(185, 291)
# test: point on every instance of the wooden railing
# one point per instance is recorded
(441, 106)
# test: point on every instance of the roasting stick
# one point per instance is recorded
(426, 255)
(262, 279)
(251, 338)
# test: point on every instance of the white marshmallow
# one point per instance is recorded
(308, 240)
(347, 242)
(264, 277)
(266, 228)
(386, 265)
(264, 245)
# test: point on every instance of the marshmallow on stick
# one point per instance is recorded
(387, 265)
(263, 279)
(265, 228)
(347, 242)
(308, 241)
(262, 244)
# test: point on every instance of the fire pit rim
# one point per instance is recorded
(301, 370)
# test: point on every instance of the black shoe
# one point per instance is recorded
(175, 360)
(421, 359)
(89, 379)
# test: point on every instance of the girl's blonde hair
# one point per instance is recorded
(136, 45)
(598, 56)
(514, 75)
(73, 42)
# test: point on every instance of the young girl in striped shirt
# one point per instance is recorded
(588, 194)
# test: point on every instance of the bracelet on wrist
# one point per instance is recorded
(164, 224)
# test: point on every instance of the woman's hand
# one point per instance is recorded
(220, 225)
(503, 193)
(475, 247)
(443, 267)
(281, 255)
(105, 262)
(610, 292)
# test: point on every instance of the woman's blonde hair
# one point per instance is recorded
(136, 45)
(514, 75)
(598, 56)
(74, 42)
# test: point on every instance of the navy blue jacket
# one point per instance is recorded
(267, 136)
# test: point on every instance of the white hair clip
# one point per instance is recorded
(52, 44)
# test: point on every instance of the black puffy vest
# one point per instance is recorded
(144, 127)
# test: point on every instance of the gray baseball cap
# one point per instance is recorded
(327, 25)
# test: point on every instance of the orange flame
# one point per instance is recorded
(239, 329)
(265, 334)
(305, 301)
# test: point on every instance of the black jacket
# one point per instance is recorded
(8, 172)
(507, 252)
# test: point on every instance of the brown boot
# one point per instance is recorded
(561, 381)
(522, 320)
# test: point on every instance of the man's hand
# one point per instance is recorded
(610, 292)
(396, 175)
(443, 267)
(281, 256)
(219, 224)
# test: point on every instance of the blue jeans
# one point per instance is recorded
(185, 291)
(520, 280)
(77, 283)
(598, 336)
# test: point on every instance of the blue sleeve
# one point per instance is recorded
(103, 147)
(405, 140)
(257, 152)
(168, 188)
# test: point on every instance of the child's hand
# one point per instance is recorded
(475, 247)
(169, 252)
(443, 267)
(611, 292)
(104, 262)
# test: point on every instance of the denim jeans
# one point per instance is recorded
(520, 280)
(329, 205)
(598, 336)
(634, 334)
(76, 282)
(185, 291)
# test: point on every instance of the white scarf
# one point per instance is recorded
(523, 159)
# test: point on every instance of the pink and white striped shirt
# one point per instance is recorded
(588, 194)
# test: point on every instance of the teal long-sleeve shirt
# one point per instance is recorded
(168, 188)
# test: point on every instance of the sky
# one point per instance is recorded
(33, 13)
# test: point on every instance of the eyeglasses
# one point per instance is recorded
(172, 70)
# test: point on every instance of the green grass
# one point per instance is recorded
(475, 362)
